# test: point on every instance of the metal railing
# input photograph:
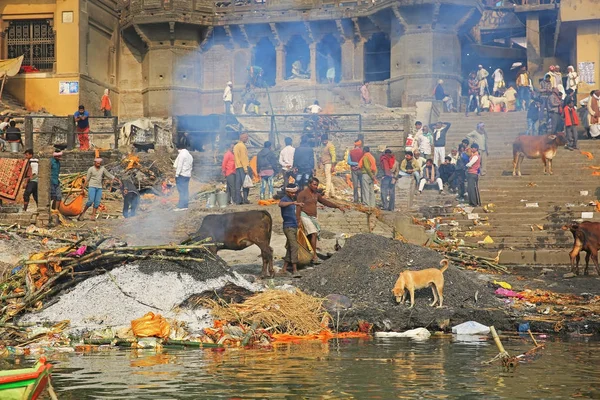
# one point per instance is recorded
(61, 130)
(271, 125)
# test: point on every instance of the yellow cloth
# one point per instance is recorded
(240, 154)
(523, 79)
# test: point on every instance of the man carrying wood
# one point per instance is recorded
(94, 178)
(306, 214)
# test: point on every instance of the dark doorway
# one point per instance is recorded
(377, 58)
(265, 57)
(329, 60)
(297, 54)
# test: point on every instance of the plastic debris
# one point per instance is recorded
(505, 285)
(417, 333)
(474, 233)
(487, 240)
(508, 293)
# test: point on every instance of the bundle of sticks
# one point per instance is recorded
(38, 279)
(471, 260)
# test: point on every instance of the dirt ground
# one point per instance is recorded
(365, 271)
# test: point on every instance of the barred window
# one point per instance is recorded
(35, 40)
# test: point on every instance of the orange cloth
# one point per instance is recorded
(323, 336)
(106, 104)
(372, 163)
(84, 139)
(571, 117)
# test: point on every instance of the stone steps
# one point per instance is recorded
(510, 225)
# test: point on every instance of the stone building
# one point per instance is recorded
(171, 57)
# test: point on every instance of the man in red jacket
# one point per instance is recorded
(354, 157)
(387, 162)
(228, 170)
(571, 123)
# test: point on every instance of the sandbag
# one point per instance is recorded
(471, 328)
(151, 325)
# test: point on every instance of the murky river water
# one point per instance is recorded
(377, 369)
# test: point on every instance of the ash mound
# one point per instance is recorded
(129, 291)
(366, 269)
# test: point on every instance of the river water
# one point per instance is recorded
(440, 368)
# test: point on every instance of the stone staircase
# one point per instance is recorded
(528, 211)
(380, 127)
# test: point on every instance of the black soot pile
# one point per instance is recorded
(366, 269)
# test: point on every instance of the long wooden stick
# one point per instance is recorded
(532, 338)
(503, 352)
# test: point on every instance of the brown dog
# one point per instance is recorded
(414, 280)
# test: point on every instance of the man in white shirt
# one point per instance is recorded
(482, 75)
(315, 108)
(183, 172)
(228, 98)
(286, 160)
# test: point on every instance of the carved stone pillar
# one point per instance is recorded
(313, 63)
(347, 63)
(359, 60)
(421, 53)
(279, 64)
(534, 59)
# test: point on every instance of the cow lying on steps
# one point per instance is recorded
(543, 147)
(586, 237)
(238, 230)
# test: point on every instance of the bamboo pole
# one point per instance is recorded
(532, 338)
(503, 353)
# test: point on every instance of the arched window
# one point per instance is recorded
(329, 60)
(264, 56)
(377, 58)
(297, 59)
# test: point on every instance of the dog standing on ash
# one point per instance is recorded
(415, 280)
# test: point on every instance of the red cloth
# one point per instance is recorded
(387, 161)
(355, 156)
(571, 117)
(84, 139)
(228, 165)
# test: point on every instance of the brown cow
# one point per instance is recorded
(586, 237)
(543, 147)
(238, 230)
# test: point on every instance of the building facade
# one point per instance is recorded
(172, 57)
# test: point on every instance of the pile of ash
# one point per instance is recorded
(366, 269)
(128, 292)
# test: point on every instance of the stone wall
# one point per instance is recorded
(78, 161)
(10, 211)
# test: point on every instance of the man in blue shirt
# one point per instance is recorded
(290, 228)
(82, 128)
(55, 190)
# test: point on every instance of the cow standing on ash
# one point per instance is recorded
(238, 230)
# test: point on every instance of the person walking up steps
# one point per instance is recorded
(473, 176)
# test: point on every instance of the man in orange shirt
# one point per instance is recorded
(571, 122)
(228, 170)
(106, 105)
